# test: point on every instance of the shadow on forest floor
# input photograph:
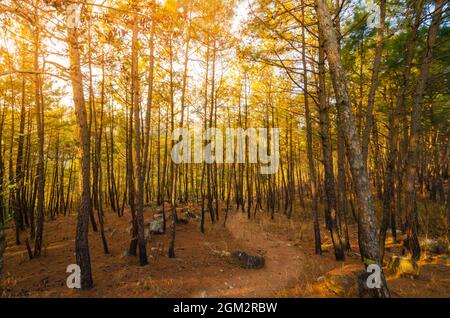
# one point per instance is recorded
(199, 269)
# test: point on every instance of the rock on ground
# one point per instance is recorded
(439, 246)
(247, 261)
(190, 215)
(342, 284)
(156, 225)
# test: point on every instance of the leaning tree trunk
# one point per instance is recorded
(369, 243)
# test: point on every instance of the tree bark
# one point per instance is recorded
(138, 173)
(309, 142)
(374, 82)
(40, 182)
(412, 242)
(369, 243)
(81, 242)
(328, 158)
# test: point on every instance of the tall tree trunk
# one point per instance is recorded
(40, 181)
(81, 242)
(374, 82)
(148, 115)
(138, 173)
(2, 169)
(389, 212)
(412, 242)
(18, 206)
(98, 127)
(309, 142)
(369, 244)
(328, 158)
(173, 167)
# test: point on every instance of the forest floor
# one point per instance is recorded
(200, 269)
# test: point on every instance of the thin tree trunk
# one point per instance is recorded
(309, 142)
(40, 182)
(374, 82)
(412, 242)
(328, 158)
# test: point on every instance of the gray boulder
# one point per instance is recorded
(188, 214)
(434, 246)
(247, 261)
(156, 226)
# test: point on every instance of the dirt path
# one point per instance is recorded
(283, 267)
(292, 268)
